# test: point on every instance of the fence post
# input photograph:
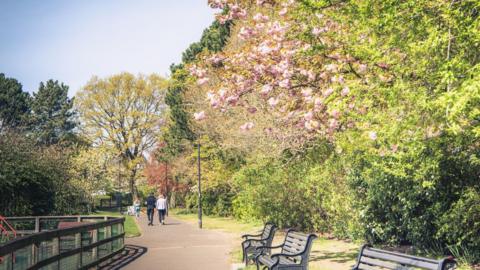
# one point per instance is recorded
(78, 243)
(56, 244)
(34, 254)
(37, 224)
(94, 240)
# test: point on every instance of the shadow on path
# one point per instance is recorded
(130, 254)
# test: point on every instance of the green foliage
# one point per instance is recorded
(213, 39)
(460, 225)
(52, 113)
(178, 129)
(123, 115)
(216, 201)
(34, 179)
(416, 180)
(14, 103)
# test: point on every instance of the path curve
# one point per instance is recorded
(180, 246)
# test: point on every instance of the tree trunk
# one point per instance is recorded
(132, 185)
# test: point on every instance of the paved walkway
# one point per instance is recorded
(180, 246)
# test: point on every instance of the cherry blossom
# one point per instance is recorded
(308, 116)
(259, 17)
(308, 86)
(273, 101)
(202, 81)
(252, 110)
(284, 83)
(307, 92)
(266, 89)
(311, 125)
(328, 92)
(345, 91)
(246, 33)
(247, 126)
(199, 116)
(232, 100)
(217, 3)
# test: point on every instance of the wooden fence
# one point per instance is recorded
(45, 246)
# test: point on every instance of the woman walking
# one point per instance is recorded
(162, 207)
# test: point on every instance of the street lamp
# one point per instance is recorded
(199, 174)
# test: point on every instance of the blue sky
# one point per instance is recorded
(72, 40)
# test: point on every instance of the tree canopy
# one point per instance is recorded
(52, 113)
(14, 103)
(123, 114)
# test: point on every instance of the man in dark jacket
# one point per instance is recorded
(151, 201)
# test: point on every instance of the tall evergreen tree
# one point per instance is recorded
(213, 39)
(52, 119)
(14, 103)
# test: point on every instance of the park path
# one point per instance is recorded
(180, 246)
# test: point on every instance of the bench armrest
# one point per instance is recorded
(268, 247)
(248, 242)
(246, 236)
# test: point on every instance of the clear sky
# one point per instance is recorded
(72, 40)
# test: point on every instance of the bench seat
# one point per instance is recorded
(252, 242)
(294, 254)
(371, 258)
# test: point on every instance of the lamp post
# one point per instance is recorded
(166, 180)
(199, 189)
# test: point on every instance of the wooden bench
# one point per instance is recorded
(294, 254)
(377, 259)
(251, 242)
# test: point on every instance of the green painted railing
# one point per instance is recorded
(91, 241)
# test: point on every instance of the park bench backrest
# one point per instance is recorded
(376, 259)
(268, 232)
(296, 242)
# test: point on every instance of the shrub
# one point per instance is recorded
(460, 226)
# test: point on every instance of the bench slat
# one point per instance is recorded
(398, 258)
(296, 241)
(297, 244)
(380, 263)
(363, 266)
(298, 235)
(404, 255)
(294, 248)
(267, 230)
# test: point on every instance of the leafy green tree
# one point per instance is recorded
(123, 115)
(14, 103)
(35, 179)
(213, 39)
(52, 113)
(89, 171)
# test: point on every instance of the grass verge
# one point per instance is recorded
(130, 226)
(326, 254)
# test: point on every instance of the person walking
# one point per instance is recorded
(150, 208)
(136, 207)
(162, 207)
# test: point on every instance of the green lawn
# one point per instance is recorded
(326, 254)
(131, 227)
